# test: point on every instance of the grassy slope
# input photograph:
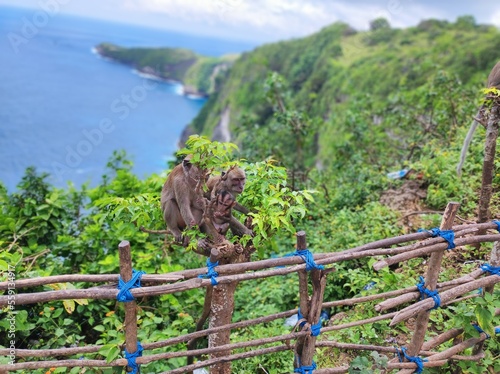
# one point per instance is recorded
(325, 69)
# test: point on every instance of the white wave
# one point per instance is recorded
(147, 75)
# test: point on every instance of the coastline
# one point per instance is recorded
(148, 72)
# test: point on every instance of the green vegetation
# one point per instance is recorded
(198, 73)
(336, 112)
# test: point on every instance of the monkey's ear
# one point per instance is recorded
(223, 173)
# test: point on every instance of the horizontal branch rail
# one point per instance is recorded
(188, 279)
(247, 266)
(95, 293)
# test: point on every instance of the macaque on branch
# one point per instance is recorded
(182, 201)
(232, 181)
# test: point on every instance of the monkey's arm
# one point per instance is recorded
(240, 208)
(184, 203)
(239, 229)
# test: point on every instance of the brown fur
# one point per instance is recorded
(182, 202)
(494, 77)
(232, 181)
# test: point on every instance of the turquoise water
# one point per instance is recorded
(63, 109)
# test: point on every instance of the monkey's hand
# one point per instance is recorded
(204, 247)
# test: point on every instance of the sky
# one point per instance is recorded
(263, 21)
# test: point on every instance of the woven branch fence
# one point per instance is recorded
(413, 358)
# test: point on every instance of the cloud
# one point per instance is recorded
(495, 17)
(271, 20)
(278, 19)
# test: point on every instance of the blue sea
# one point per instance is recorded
(64, 109)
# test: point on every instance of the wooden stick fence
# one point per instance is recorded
(406, 247)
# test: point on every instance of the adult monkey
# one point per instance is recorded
(182, 201)
(232, 181)
(493, 81)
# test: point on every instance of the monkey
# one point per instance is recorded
(233, 181)
(216, 221)
(221, 211)
(493, 81)
(182, 201)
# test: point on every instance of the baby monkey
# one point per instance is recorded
(233, 182)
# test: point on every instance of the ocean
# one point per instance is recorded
(64, 109)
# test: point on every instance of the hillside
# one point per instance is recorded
(197, 73)
(329, 72)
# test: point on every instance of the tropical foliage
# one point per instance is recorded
(319, 122)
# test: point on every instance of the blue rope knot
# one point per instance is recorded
(308, 259)
(498, 225)
(315, 329)
(124, 295)
(425, 292)
(447, 235)
(131, 357)
(480, 330)
(305, 369)
(415, 359)
(211, 273)
(299, 317)
(493, 270)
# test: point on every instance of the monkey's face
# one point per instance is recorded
(237, 184)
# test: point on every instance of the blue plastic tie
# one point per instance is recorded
(124, 295)
(480, 330)
(299, 317)
(498, 225)
(447, 235)
(497, 330)
(305, 369)
(426, 292)
(315, 329)
(415, 359)
(308, 259)
(211, 273)
(131, 357)
(493, 270)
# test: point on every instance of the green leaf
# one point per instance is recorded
(100, 328)
(485, 320)
(110, 352)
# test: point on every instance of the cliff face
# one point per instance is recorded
(197, 73)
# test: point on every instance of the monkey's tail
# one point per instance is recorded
(465, 146)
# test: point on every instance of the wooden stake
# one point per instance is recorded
(130, 307)
(305, 346)
(431, 279)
